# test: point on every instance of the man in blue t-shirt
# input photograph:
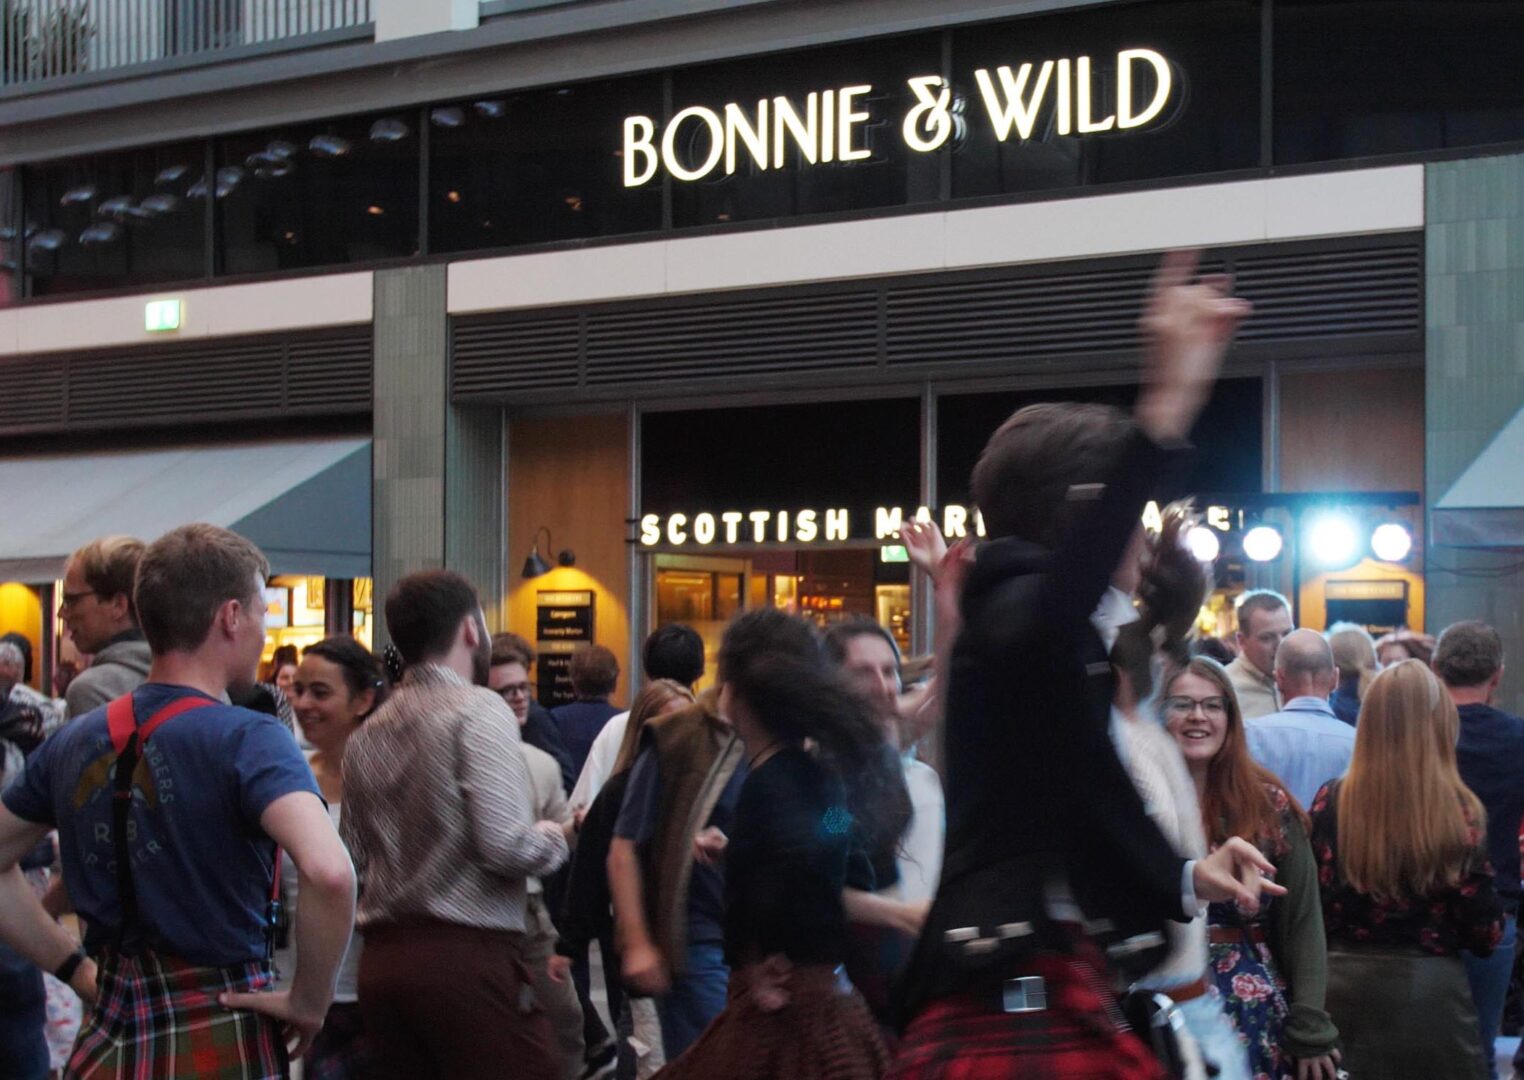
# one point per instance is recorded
(181, 931)
(1490, 753)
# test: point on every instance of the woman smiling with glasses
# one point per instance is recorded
(1271, 967)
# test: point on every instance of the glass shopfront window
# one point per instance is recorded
(96, 222)
(1359, 79)
(1228, 437)
(11, 238)
(535, 167)
(1209, 116)
(345, 191)
(811, 86)
(1114, 93)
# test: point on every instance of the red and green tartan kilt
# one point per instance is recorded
(1078, 1037)
(158, 1018)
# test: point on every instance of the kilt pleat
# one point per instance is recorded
(1077, 1037)
(158, 1017)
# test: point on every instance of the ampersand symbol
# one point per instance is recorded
(931, 114)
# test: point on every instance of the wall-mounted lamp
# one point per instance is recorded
(534, 565)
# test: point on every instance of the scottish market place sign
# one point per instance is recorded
(1135, 90)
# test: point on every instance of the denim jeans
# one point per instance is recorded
(23, 1019)
(694, 1000)
(1488, 976)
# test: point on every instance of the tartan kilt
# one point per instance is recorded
(158, 1017)
(822, 1031)
(1080, 1036)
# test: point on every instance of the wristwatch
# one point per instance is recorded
(65, 971)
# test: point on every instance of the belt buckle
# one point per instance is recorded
(1027, 994)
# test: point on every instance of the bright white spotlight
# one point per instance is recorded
(1203, 542)
(1391, 542)
(1332, 540)
(1262, 543)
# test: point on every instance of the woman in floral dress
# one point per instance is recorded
(1270, 967)
(1406, 884)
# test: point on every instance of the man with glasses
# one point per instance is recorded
(512, 657)
(1305, 744)
(99, 616)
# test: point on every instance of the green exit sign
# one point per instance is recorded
(161, 315)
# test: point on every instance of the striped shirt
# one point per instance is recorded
(437, 807)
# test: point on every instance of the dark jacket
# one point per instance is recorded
(697, 754)
(585, 914)
(539, 730)
(1035, 792)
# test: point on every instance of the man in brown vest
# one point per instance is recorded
(667, 885)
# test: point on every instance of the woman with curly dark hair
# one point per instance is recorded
(819, 788)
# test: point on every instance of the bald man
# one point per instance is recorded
(1304, 744)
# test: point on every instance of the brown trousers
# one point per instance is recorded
(441, 1000)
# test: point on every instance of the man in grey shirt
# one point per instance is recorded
(98, 613)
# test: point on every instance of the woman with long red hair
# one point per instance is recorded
(1269, 967)
(1406, 885)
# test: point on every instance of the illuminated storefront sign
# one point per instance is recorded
(833, 124)
(812, 526)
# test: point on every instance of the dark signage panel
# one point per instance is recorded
(563, 621)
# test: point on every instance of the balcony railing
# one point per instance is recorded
(44, 41)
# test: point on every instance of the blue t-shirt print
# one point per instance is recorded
(201, 864)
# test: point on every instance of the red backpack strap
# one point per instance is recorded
(120, 722)
(121, 719)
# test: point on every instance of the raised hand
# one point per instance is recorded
(1186, 327)
(925, 545)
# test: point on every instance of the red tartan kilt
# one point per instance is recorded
(1075, 1038)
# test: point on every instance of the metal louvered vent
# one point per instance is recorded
(1333, 294)
(496, 355)
(33, 392)
(331, 373)
(1365, 294)
(1012, 320)
(188, 382)
(166, 384)
(734, 339)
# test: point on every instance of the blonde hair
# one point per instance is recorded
(110, 567)
(1407, 822)
(1354, 652)
(652, 700)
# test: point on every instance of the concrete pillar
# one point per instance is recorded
(438, 491)
(1474, 242)
(410, 18)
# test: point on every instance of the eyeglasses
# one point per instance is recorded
(69, 599)
(518, 689)
(1184, 706)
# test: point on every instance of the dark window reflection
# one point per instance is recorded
(112, 219)
(891, 174)
(852, 454)
(1389, 76)
(345, 191)
(1210, 122)
(11, 238)
(1228, 455)
(535, 167)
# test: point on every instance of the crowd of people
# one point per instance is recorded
(1139, 855)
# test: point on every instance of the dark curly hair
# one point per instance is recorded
(776, 664)
(1172, 587)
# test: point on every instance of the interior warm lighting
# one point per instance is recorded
(1332, 541)
(453, 196)
(1203, 543)
(1262, 543)
(374, 211)
(1391, 542)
